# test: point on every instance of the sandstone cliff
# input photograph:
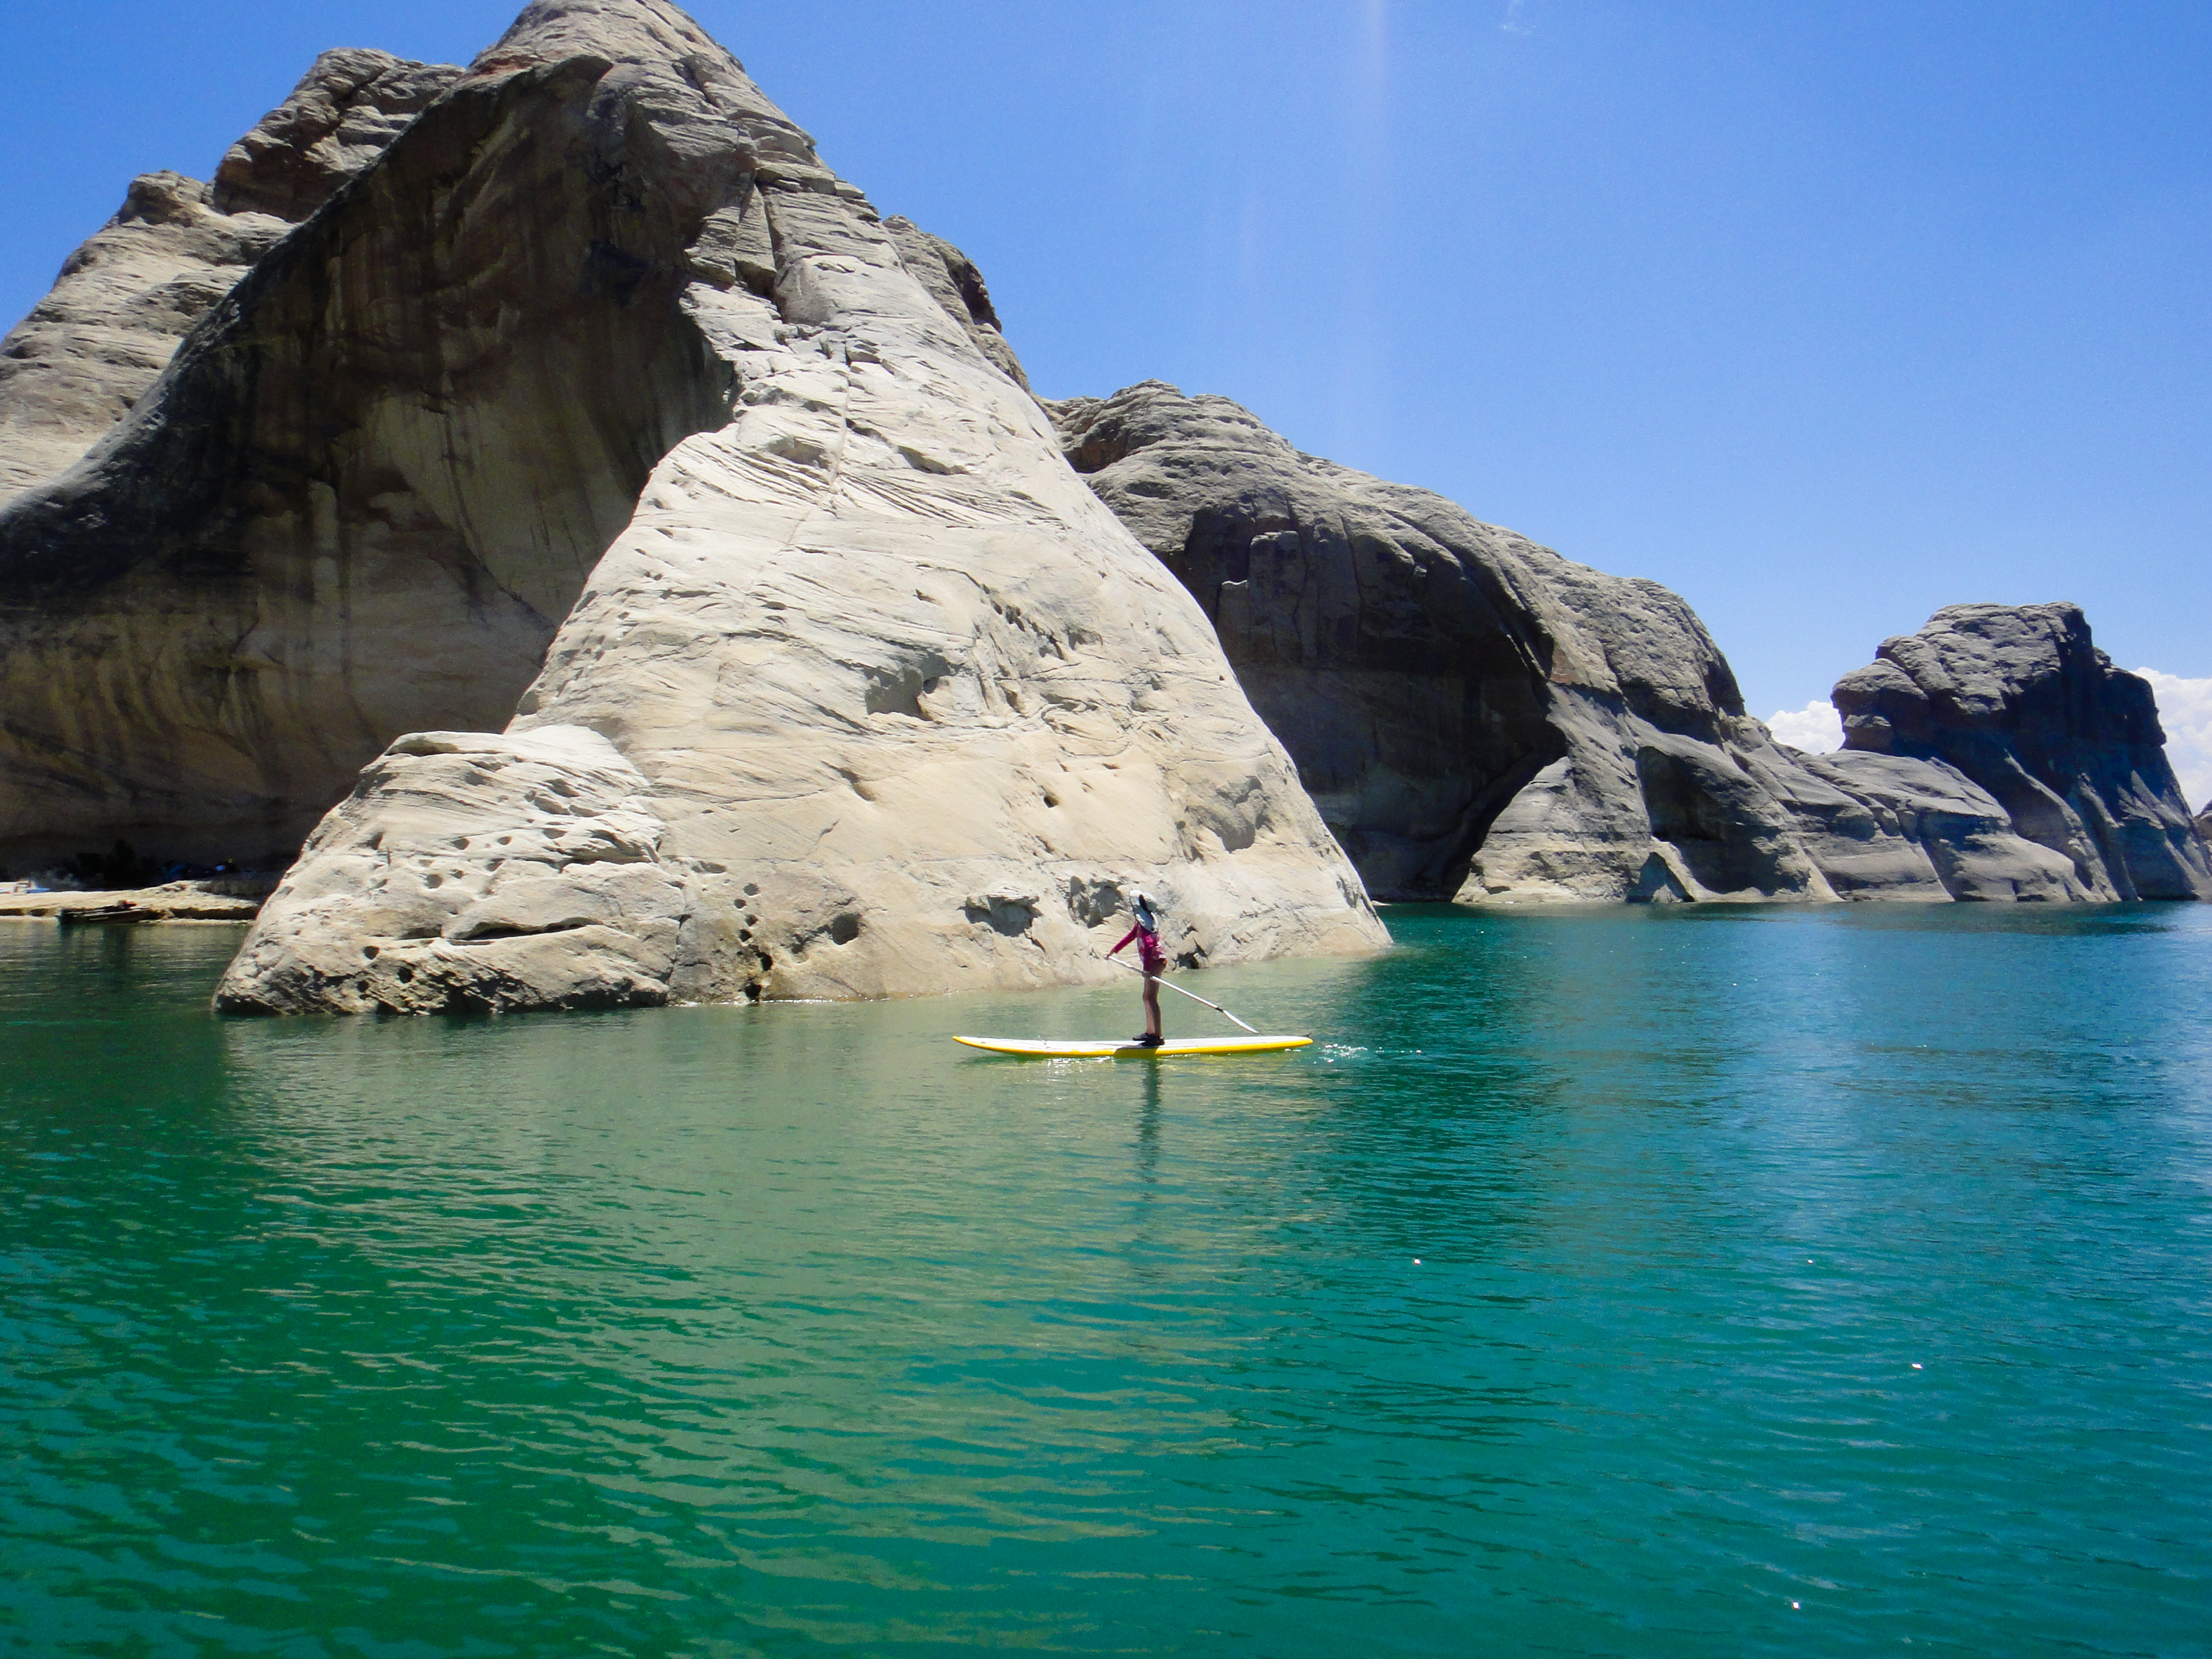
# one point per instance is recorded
(88, 350)
(367, 489)
(2018, 699)
(867, 696)
(1477, 717)
(85, 355)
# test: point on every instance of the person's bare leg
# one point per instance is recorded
(1151, 1005)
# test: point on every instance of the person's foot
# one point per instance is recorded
(1148, 1040)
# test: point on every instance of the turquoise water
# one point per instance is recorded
(1797, 1282)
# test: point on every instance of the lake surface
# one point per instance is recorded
(1690, 1281)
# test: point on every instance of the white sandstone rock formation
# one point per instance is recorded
(346, 112)
(885, 701)
(479, 873)
(371, 482)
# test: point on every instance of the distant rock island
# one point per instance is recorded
(637, 570)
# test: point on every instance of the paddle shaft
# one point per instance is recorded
(1192, 996)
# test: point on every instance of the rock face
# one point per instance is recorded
(1958, 842)
(77, 365)
(80, 361)
(344, 114)
(2018, 699)
(365, 492)
(1479, 717)
(469, 872)
(868, 696)
(175, 900)
(675, 539)
(1469, 710)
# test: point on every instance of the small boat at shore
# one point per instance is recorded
(122, 915)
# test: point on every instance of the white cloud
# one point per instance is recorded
(1816, 728)
(2184, 709)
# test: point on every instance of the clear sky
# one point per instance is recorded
(1823, 314)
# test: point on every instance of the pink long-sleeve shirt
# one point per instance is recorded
(1148, 949)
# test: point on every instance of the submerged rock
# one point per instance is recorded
(2018, 699)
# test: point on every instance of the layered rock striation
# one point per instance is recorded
(1467, 708)
(88, 351)
(368, 487)
(1479, 718)
(2018, 699)
(81, 361)
(346, 112)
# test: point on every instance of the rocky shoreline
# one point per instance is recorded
(632, 569)
(177, 900)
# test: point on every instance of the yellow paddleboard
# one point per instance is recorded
(1111, 1048)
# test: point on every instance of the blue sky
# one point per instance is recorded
(1824, 315)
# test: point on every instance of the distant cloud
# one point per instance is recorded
(1513, 23)
(1816, 728)
(2184, 709)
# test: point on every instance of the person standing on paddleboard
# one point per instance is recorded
(1146, 933)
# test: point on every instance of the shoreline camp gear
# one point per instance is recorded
(1108, 1048)
(1192, 996)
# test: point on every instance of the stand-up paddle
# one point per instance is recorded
(1192, 996)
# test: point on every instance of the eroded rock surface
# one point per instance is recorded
(81, 361)
(1479, 717)
(1970, 847)
(174, 901)
(470, 872)
(88, 351)
(1471, 713)
(365, 492)
(2018, 699)
(345, 114)
(906, 708)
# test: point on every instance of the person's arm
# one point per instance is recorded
(1126, 938)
